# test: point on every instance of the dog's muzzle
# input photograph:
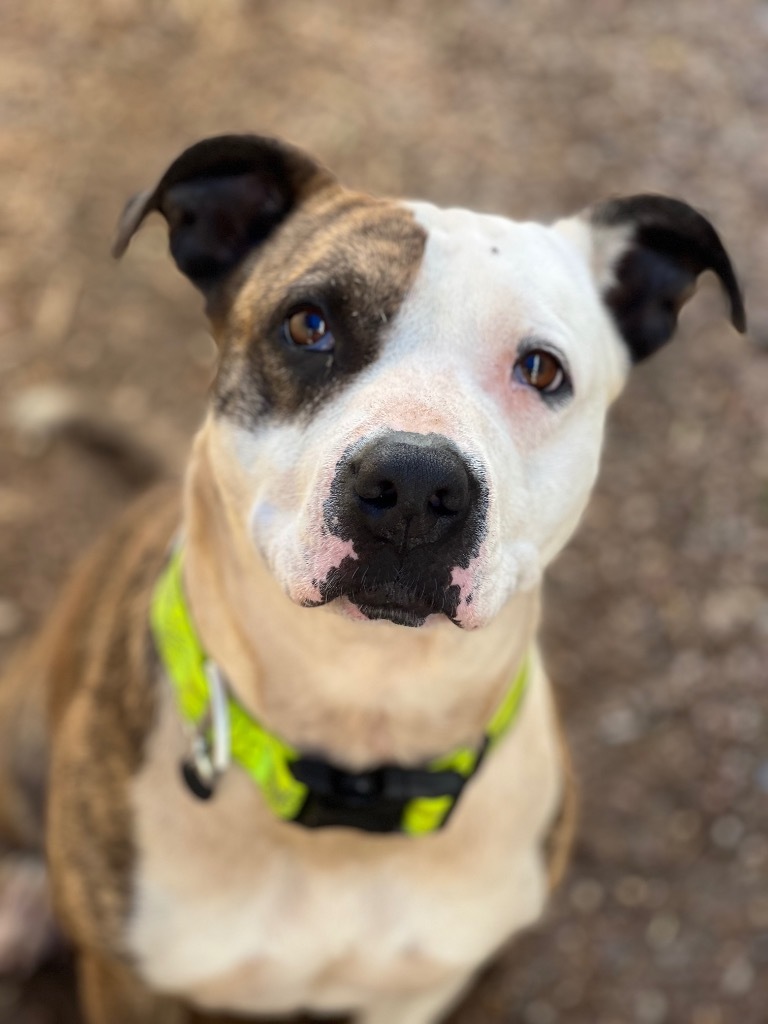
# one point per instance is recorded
(414, 510)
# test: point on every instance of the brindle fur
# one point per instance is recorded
(351, 254)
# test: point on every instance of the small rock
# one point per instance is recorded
(587, 895)
(729, 609)
(631, 891)
(727, 832)
(738, 977)
(651, 1007)
(746, 721)
(620, 725)
(685, 826)
(662, 930)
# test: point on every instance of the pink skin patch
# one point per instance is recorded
(462, 578)
(467, 581)
(320, 564)
(350, 611)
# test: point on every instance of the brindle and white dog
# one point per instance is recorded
(403, 432)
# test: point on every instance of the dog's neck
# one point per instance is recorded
(362, 693)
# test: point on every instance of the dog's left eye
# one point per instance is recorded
(541, 370)
(307, 329)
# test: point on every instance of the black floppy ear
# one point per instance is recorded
(221, 198)
(659, 248)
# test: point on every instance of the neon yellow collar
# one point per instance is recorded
(414, 801)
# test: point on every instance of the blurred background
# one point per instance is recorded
(657, 615)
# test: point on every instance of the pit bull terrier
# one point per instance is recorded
(287, 740)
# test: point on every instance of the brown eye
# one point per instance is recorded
(541, 370)
(307, 329)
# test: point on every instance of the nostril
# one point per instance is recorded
(409, 489)
(444, 502)
(380, 495)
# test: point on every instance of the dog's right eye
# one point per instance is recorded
(540, 370)
(306, 328)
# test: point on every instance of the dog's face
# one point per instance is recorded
(409, 407)
(412, 403)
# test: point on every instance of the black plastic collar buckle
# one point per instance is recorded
(373, 800)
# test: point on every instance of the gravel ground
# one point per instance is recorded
(657, 616)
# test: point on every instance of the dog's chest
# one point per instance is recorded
(239, 912)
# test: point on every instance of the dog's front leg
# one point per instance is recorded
(426, 1008)
(111, 994)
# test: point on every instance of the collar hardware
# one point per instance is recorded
(301, 787)
(209, 739)
(375, 800)
(389, 782)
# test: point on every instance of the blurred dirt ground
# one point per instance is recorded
(657, 616)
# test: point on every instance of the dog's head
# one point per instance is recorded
(409, 404)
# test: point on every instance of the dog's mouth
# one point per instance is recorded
(403, 600)
(403, 612)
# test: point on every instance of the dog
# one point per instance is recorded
(287, 740)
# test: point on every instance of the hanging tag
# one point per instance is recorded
(197, 770)
(195, 782)
(210, 757)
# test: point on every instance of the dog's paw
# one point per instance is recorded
(28, 933)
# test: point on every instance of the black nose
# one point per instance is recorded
(409, 489)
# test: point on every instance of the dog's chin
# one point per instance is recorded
(400, 615)
(367, 608)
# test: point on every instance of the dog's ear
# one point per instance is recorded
(648, 251)
(221, 198)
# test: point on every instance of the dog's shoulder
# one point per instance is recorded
(101, 675)
(104, 603)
